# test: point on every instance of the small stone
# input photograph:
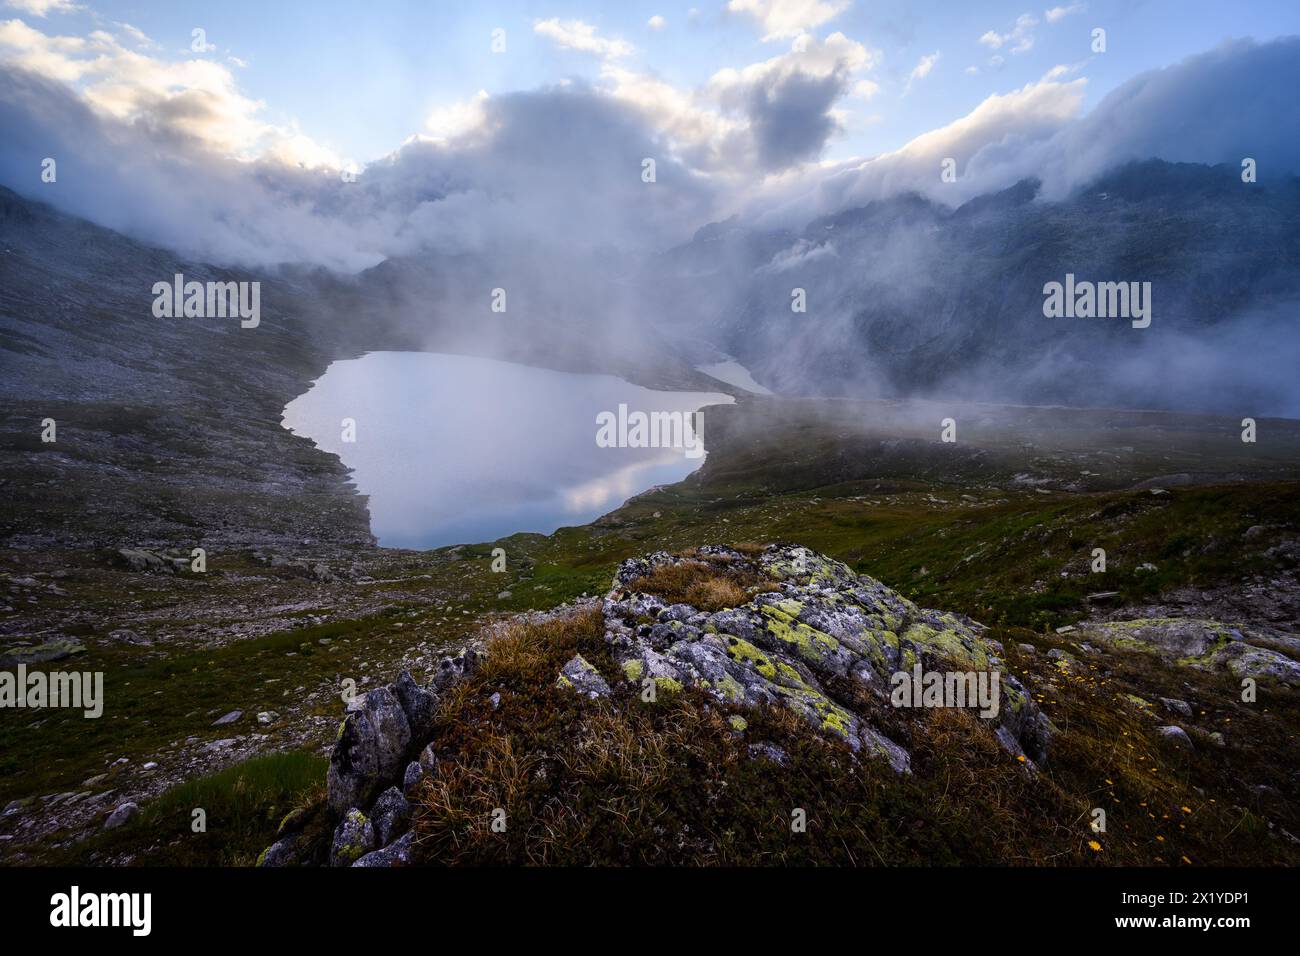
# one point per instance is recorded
(55, 649)
(281, 853)
(229, 718)
(13, 806)
(414, 774)
(123, 814)
(495, 700)
(1176, 735)
(1177, 706)
(267, 717)
(1028, 649)
(580, 676)
(769, 751)
(140, 560)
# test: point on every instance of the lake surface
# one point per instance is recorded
(456, 449)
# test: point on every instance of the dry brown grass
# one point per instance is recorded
(981, 790)
(706, 585)
(527, 651)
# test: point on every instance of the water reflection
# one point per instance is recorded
(454, 448)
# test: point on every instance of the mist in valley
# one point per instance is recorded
(915, 286)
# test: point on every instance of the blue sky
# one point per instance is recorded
(360, 78)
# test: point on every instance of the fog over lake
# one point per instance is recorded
(455, 449)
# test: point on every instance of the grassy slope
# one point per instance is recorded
(670, 782)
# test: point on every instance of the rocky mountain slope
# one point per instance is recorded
(168, 430)
(907, 297)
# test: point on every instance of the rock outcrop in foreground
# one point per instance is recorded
(786, 627)
(789, 645)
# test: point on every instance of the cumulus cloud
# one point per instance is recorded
(576, 35)
(656, 22)
(136, 36)
(788, 101)
(1234, 101)
(1019, 39)
(782, 19)
(43, 8)
(694, 126)
(1060, 13)
(865, 89)
(195, 99)
(757, 119)
(1216, 107)
(922, 68)
(567, 157)
(458, 119)
(172, 143)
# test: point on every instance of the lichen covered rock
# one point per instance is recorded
(820, 624)
(581, 677)
(370, 749)
(1265, 654)
(354, 838)
(283, 852)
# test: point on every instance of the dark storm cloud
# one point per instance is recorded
(790, 117)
